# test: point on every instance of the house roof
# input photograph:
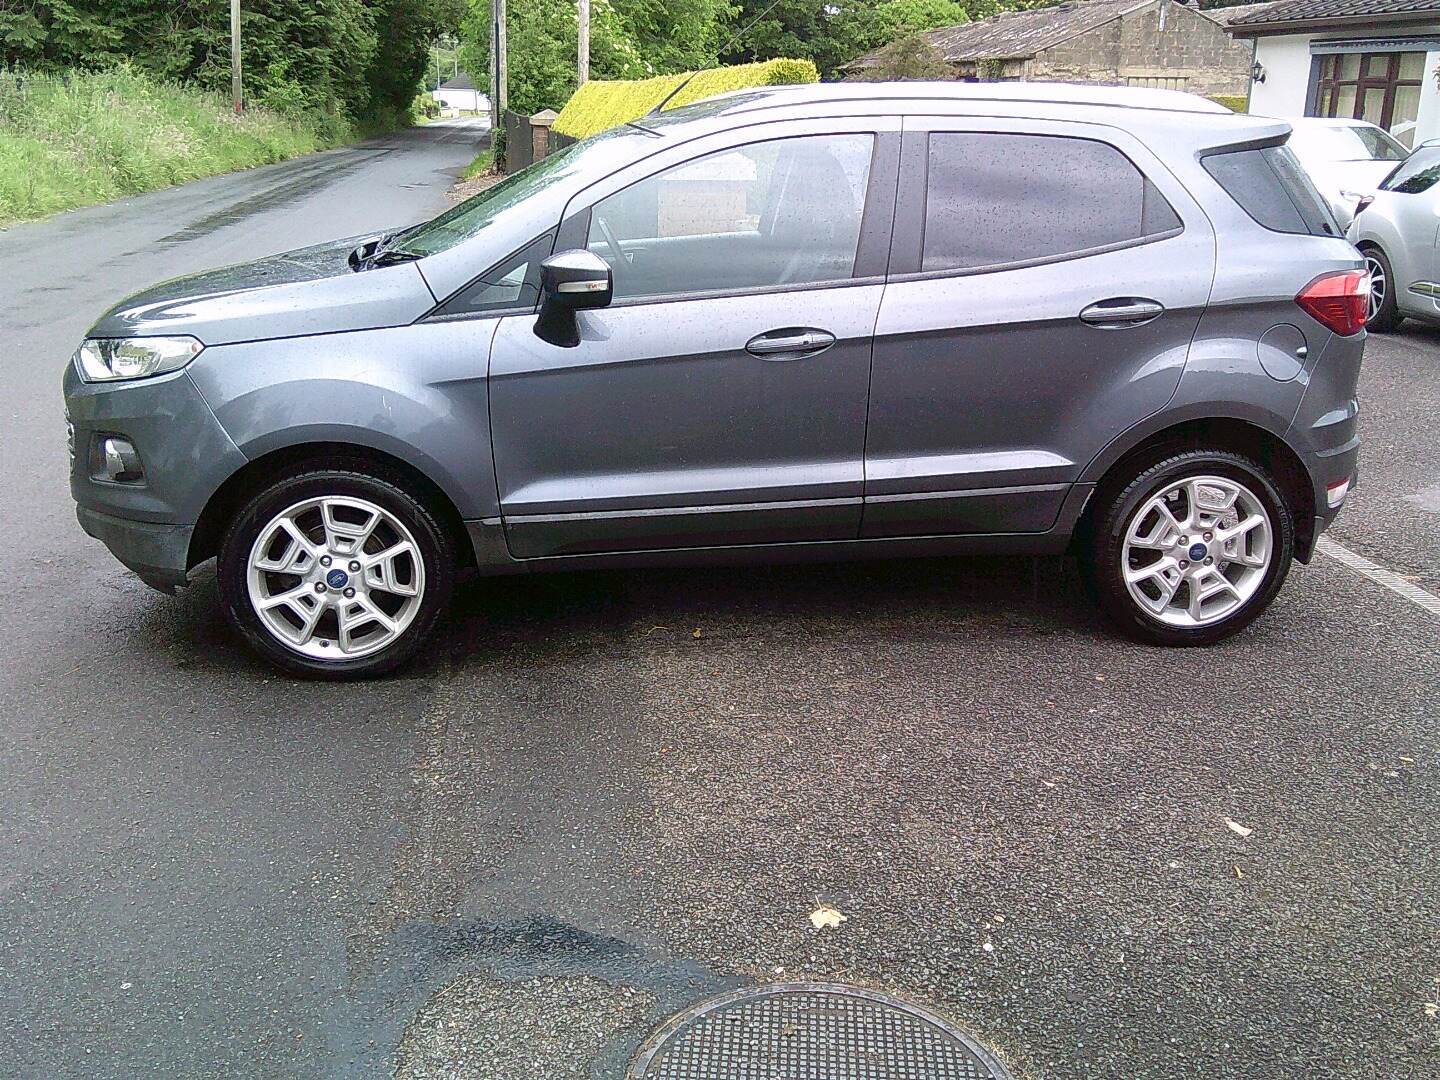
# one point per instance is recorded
(1015, 35)
(1312, 14)
(1227, 15)
(460, 82)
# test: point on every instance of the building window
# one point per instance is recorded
(1383, 88)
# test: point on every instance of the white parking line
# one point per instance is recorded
(1392, 581)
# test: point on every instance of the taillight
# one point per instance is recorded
(1337, 301)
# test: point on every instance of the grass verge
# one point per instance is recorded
(82, 138)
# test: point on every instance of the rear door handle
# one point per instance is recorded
(1122, 311)
(790, 343)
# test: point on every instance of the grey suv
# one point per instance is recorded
(818, 322)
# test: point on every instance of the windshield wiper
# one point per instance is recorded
(391, 256)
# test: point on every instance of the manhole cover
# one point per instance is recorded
(805, 1031)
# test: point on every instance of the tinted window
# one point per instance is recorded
(512, 283)
(997, 199)
(1417, 174)
(771, 214)
(1272, 188)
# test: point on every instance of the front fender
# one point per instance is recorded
(417, 393)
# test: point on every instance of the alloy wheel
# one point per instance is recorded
(1197, 551)
(335, 578)
(1378, 285)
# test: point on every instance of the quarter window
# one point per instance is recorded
(511, 284)
(772, 214)
(995, 199)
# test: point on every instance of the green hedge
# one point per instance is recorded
(1235, 103)
(599, 105)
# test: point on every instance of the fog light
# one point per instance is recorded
(1335, 493)
(117, 461)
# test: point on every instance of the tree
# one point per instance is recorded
(834, 32)
(629, 39)
(906, 58)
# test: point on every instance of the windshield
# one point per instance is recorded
(1341, 142)
(463, 221)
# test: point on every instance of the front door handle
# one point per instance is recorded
(790, 343)
(1122, 311)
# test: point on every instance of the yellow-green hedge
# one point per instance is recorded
(599, 105)
(1235, 103)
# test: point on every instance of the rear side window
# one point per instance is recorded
(1415, 175)
(1270, 186)
(997, 199)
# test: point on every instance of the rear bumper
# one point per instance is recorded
(156, 553)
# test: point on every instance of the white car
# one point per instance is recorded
(1395, 229)
(1347, 159)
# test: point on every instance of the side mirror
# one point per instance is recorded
(570, 281)
(575, 280)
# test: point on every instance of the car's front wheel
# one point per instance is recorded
(336, 572)
(1192, 549)
(1382, 311)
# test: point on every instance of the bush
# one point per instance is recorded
(1235, 102)
(908, 58)
(599, 105)
(81, 138)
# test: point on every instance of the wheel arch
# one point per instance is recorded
(272, 464)
(1130, 454)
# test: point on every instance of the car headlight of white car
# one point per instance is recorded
(111, 359)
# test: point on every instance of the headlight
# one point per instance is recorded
(107, 359)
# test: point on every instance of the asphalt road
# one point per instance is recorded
(605, 796)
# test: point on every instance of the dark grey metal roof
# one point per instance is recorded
(1344, 12)
(460, 82)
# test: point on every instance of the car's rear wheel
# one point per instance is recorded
(1191, 550)
(1382, 311)
(336, 573)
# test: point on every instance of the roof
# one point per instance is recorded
(1008, 94)
(459, 82)
(1018, 35)
(1227, 15)
(1310, 14)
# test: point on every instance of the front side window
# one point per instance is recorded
(1416, 174)
(997, 199)
(772, 214)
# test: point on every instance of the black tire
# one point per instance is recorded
(1118, 500)
(338, 477)
(1387, 317)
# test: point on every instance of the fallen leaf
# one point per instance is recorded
(998, 918)
(1432, 1009)
(1238, 875)
(1407, 759)
(1237, 828)
(826, 918)
(696, 633)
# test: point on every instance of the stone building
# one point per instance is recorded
(1162, 43)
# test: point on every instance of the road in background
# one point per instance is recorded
(604, 795)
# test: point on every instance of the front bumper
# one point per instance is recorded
(186, 456)
(158, 554)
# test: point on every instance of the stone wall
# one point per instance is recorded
(1165, 44)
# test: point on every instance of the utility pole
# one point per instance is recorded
(498, 66)
(582, 67)
(237, 92)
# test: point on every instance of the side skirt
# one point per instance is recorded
(492, 556)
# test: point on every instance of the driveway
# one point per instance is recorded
(606, 796)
